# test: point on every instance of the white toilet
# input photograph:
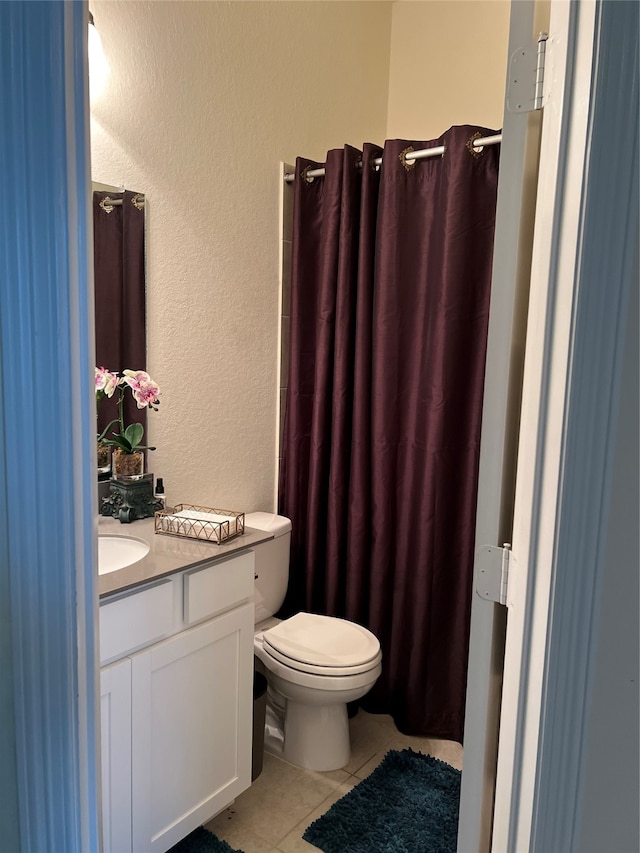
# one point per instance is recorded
(314, 664)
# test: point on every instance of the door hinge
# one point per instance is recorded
(526, 77)
(493, 567)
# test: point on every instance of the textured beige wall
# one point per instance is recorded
(203, 101)
(448, 66)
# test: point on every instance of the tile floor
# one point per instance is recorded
(273, 814)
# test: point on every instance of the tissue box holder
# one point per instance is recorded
(190, 521)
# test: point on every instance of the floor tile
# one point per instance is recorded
(242, 838)
(279, 799)
(272, 815)
(369, 733)
(445, 750)
(337, 776)
(294, 842)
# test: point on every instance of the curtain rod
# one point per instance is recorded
(422, 154)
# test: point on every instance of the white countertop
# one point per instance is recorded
(167, 553)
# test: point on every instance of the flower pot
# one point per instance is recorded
(127, 466)
(104, 459)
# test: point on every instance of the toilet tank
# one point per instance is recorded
(271, 562)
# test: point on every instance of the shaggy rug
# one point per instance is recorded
(409, 804)
(202, 841)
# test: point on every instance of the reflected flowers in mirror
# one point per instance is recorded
(106, 383)
(126, 441)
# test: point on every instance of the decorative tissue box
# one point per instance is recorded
(200, 522)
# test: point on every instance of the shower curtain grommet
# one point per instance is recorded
(405, 158)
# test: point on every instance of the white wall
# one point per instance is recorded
(203, 101)
(448, 66)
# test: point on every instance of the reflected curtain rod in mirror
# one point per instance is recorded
(108, 203)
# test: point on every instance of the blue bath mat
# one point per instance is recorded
(409, 804)
(202, 841)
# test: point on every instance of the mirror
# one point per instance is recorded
(120, 289)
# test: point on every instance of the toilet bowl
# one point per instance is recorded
(314, 664)
(317, 678)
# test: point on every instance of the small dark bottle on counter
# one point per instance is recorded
(160, 496)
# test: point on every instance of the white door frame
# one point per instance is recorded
(547, 363)
(585, 236)
(501, 407)
(585, 228)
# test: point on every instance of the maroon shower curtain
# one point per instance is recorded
(391, 273)
(119, 273)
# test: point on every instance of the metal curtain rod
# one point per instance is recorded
(422, 154)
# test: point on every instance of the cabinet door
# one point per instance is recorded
(191, 712)
(115, 738)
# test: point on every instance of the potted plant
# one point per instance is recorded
(128, 458)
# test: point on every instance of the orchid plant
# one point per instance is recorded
(145, 392)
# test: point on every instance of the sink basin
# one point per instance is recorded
(116, 552)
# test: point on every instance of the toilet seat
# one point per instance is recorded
(322, 645)
(324, 671)
(326, 682)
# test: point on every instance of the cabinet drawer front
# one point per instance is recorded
(218, 587)
(136, 620)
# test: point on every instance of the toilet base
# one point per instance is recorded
(311, 712)
(316, 737)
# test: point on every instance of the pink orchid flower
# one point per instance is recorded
(105, 381)
(145, 391)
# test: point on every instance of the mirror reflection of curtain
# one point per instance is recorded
(118, 240)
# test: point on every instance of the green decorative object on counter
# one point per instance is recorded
(130, 500)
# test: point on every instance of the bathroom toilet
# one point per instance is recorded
(314, 664)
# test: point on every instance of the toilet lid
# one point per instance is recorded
(324, 642)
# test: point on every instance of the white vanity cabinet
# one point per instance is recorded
(179, 739)
(115, 740)
(191, 751)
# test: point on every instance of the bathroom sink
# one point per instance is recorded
(116, 552)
